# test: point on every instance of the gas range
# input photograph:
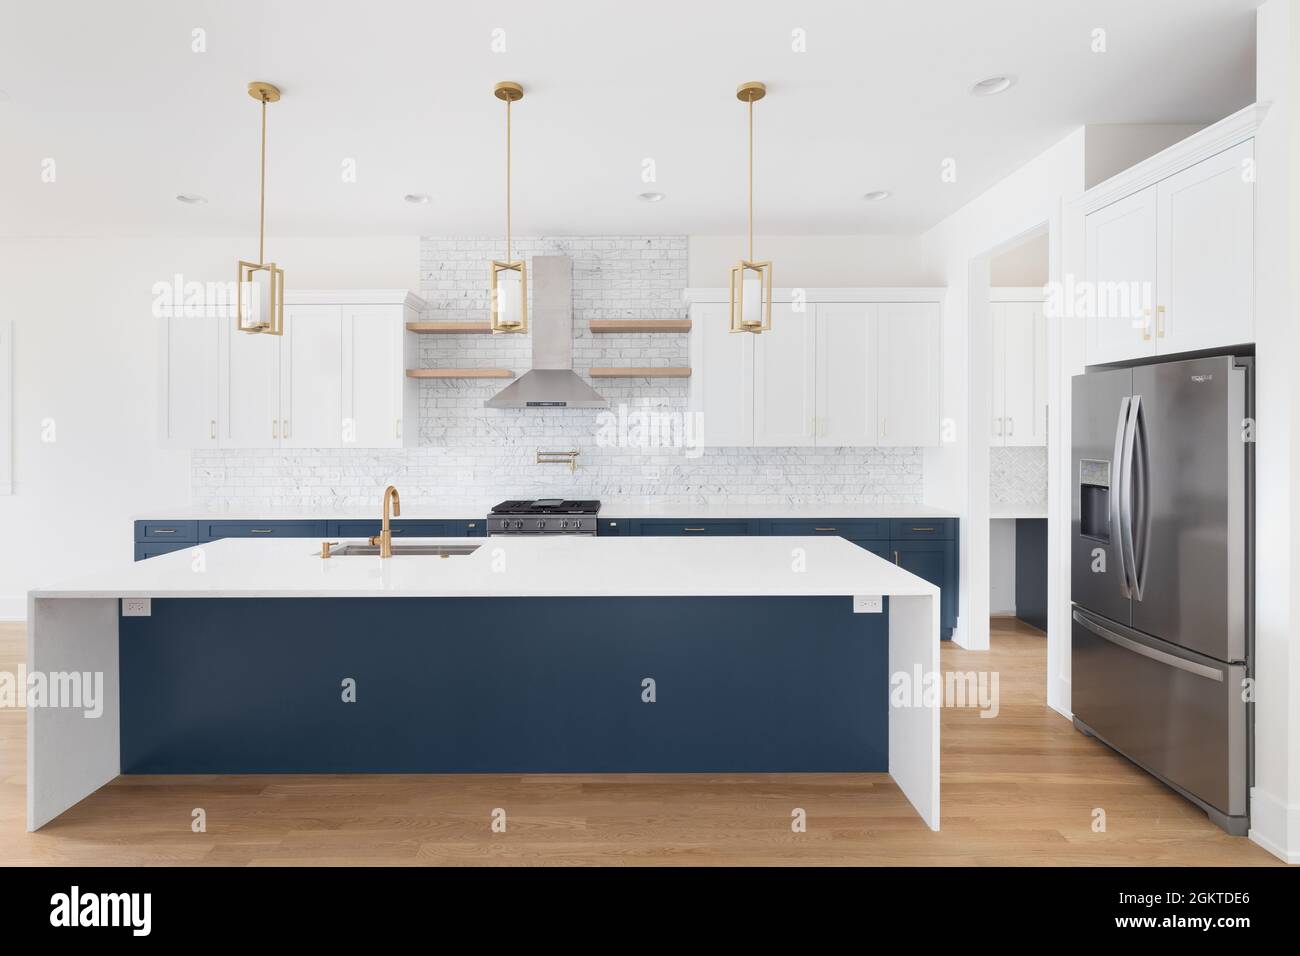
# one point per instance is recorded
(543, 516)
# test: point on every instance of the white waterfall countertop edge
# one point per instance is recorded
(525, 566)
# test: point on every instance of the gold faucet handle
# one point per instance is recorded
(374, 540)
(325, 548)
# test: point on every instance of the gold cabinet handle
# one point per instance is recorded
(929, 530)
(397, 428)
(261, 530)
(285, 429)
(212, 429)
(1160, 321)
(823, 529)
(895, 557)
(275, 428)
(1011, 426)
(163, 531)
(692, 529)
(1146, 325)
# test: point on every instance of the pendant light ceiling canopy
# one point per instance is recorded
(260, 291)
(751, 280)
(509, 289)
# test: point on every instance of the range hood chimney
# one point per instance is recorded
(551, 382)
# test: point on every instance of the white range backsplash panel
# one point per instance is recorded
(470, 452)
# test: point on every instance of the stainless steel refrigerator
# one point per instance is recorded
(1162, 572)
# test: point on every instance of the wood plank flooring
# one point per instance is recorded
(1018, 789)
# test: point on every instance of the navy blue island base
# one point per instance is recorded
(506, 685)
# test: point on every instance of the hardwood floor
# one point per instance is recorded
(1018, 789)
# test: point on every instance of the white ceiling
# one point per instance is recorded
(113, 93)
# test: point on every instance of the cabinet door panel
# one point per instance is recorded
(1021, 359)
(998, 376)
(250, 386)
(936, 562)
(374, 375)
(190, 367)
(1205, 220)
(1120, 246)
(784, 379)
(722, 377)
(311, 377)
(908, 369)
(846, 375)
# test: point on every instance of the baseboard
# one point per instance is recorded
(1274, 825)
(13, 607)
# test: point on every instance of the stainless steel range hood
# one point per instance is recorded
(551, 383)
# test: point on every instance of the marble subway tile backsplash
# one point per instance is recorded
(468, 453)
(1018, 476)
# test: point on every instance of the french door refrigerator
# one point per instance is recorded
(1162, 572)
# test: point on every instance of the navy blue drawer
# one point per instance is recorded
(364, 528)
(609, 527)
(466, 528)
(153, 549)
(853, 528)
(687, 528)
(922, 529)
(166, 531)
(212, 530)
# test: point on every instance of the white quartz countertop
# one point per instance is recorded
(631, 508)
(1004, 510)
(543, 566)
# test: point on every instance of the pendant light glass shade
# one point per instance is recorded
(259, 304)
(751, 280)
(509, 288)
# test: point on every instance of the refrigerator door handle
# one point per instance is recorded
(1105, 633)
(1126, 496)
(1137, 488)
(1116, 493)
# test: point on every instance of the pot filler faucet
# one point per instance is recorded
(385, 537)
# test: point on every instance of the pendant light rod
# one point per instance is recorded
(750, 93)
(264, 93)
(508, 91)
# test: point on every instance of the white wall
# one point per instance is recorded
(959, 250)
(1275, 799)
(1002, 566)
(85, 376)
(1111, 148)
(810, 262)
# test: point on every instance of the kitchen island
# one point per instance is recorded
(508, 655)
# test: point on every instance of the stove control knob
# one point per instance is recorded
(541, 524)
(519, 524)
(564, 524)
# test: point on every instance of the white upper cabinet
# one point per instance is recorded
(250, 390)
(1019, 374)
(311, 376)
(1205, 217)
(189, 403)
(846, 374)
(375, 382)
(839, 373)
(785, 370)
(722, 377)
(908, 364)
(1169, 251)
(335, 379)
(1121, 274)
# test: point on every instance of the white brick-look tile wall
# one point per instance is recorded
(468, 452)
(1018, 476)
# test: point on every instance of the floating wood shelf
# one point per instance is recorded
(661, 372)
(449, 328)
(459, 373)
(640, 325)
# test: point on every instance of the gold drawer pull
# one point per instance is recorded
(163, 531)
(895, 557)
(694, 529)
(261, 530)
(929, 530)
(823, 529)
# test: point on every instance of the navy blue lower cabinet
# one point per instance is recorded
(763, 684)
(936, 562)
(416, 528)
(613, 527)
(879, 548)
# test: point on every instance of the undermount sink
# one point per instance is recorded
(435, 550)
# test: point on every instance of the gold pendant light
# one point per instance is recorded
(751, 281)
(260, 293)
(509, 278)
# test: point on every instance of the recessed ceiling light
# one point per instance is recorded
(192, 199)
(992, 86)
(417, 199)
(877, 194)
(651, 197)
